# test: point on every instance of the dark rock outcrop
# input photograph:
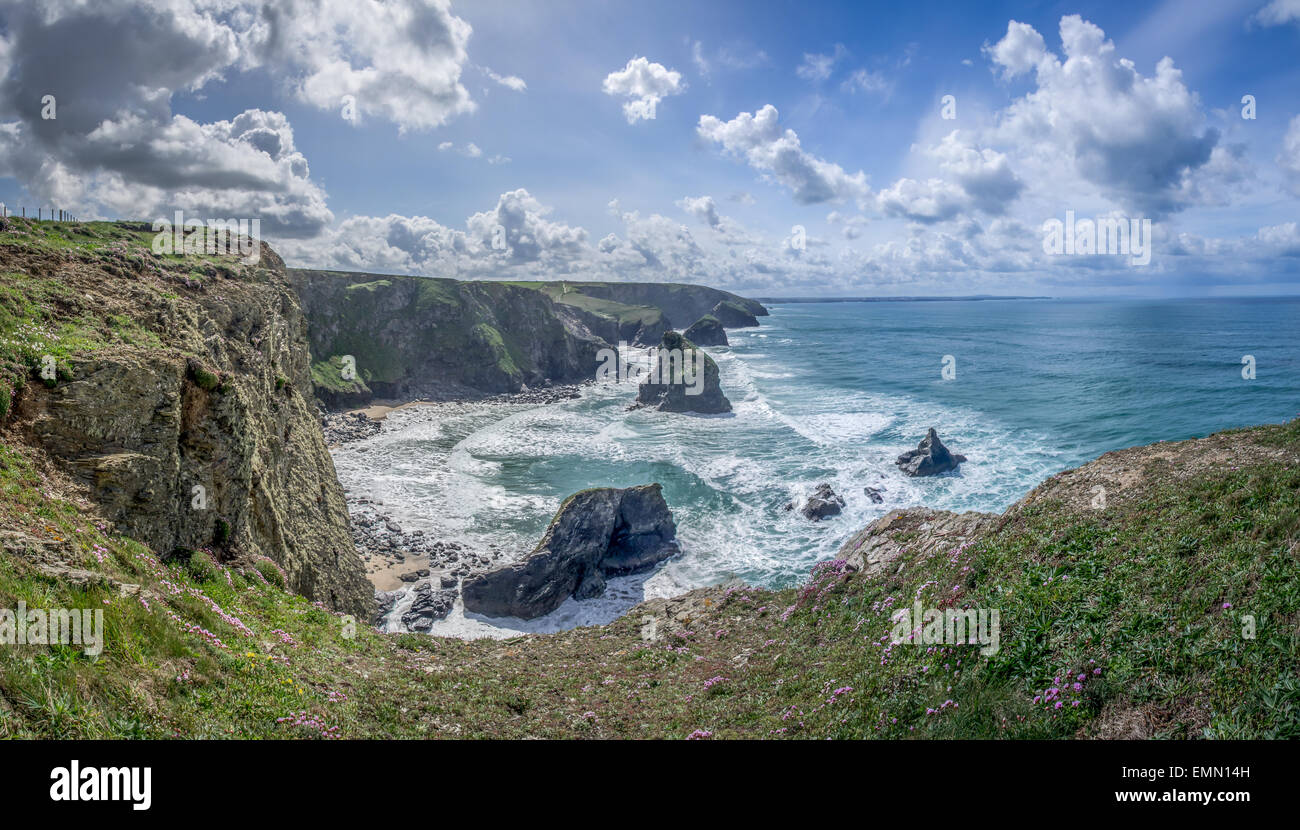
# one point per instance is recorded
(384, 602)
(707, 331)
(343, 427)
(692, 377)
(595, 534)
(733, 315)
(873, 493)
(930, 457)
(822, 504)
(428, 607)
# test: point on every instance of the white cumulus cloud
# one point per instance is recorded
(759, 139)
(1141, 140)
(645, 84)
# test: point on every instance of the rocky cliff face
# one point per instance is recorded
(182, 400)
(417, 336)
(638, 325)
(407, 337)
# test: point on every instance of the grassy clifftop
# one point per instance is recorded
(1141, 601)
(683, 303)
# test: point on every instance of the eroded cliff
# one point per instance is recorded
(406, 337)
(177, 391)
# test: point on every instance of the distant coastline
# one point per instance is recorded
(779, 300)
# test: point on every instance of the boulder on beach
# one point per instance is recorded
(707, 331)
(683, 379)
(733, 315)
(428, 607)
(929, 458)
(822, 504)
(595, 534)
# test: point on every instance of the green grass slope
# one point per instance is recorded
(1142, 603)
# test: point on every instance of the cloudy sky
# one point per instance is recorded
(778, 148)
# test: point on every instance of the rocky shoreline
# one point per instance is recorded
(397, 560)
(345, 426)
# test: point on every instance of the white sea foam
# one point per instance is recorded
(495, 475)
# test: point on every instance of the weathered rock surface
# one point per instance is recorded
(384, 602)
(707, 331)
(874, 493)
(202, 432)
(679, 395)
(611, 322)
(596, 534)
(930, 457)
(733, 315)
(913, 534)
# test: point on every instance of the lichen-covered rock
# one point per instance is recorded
(198, 430)
(595, 534)
(707, 331)
(914, 534)
(930, 457)
(697, 390)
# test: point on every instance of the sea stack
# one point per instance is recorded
(929, 458)
(684, 379)
(595, 534)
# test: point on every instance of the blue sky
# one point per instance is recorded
(795, 148)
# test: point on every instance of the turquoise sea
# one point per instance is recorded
(833, 392)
